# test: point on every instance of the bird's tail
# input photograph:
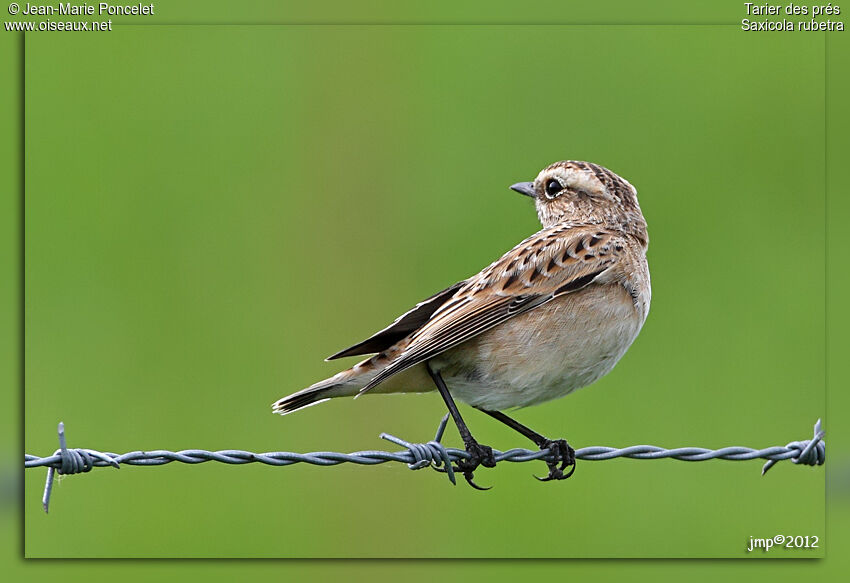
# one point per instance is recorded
(350, 382)
(340, 385)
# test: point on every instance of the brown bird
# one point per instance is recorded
(550, 316)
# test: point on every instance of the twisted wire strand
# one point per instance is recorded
(416, 455)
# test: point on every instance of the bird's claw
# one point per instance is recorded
(479, 455)
(563, 453)
(468, 476)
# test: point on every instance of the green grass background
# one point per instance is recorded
(210, 211)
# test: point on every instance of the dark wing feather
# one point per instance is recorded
(403, 326)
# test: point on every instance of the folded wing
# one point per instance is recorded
(550, 263)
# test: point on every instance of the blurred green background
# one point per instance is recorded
(210, 211)
(189, 294)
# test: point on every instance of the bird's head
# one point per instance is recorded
(582, 192)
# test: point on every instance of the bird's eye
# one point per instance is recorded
(553, 187)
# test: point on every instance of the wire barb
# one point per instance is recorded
(417, 456)
(812, 452)
(71, 461)
(432, 454)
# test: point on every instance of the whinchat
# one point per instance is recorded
(550, 316)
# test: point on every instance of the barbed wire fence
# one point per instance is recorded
(433, 454)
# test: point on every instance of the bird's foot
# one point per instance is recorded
(562, 454)
(479, 455)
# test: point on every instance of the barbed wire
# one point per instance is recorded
(416, 455)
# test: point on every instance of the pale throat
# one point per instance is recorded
(554, 212)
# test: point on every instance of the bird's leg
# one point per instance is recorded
(561, 450)
(479, 455)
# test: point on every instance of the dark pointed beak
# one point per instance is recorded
(526, 188)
